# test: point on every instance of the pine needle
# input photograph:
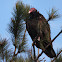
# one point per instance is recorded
(52, 14)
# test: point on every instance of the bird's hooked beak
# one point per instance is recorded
(29, 12)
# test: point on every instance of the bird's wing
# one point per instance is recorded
(31, 28)
(43, 29)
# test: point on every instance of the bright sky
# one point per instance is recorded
(6, 7)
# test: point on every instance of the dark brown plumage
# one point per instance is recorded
(38, 28)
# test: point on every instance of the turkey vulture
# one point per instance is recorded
(39, 29)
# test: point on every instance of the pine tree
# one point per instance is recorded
(18, 35)
(4, 53)
(17, 27)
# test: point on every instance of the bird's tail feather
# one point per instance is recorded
(50, 52)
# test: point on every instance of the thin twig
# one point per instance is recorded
(38, 51)
(19, 52)
(39, 55)
(31, 54)
(15, 47)
(24, 35)
(14, 52)
(42, 59)
(56, 56)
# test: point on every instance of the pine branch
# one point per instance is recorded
(4, 53)
(56, 56)
(52, 14)
(19, 51)
(39, 55)
(23, 43)
(15, 46)
(16, 27)
(31, 54)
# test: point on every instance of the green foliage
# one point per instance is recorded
(52, 14)
(17, 26)
(4, 53)
(22, 45)
(59, 58)
(21, 59)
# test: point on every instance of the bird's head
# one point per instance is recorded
(32, 10)
(33, 13)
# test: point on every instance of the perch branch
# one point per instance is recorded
(34, 53)
(56, 56)
(49, 44)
